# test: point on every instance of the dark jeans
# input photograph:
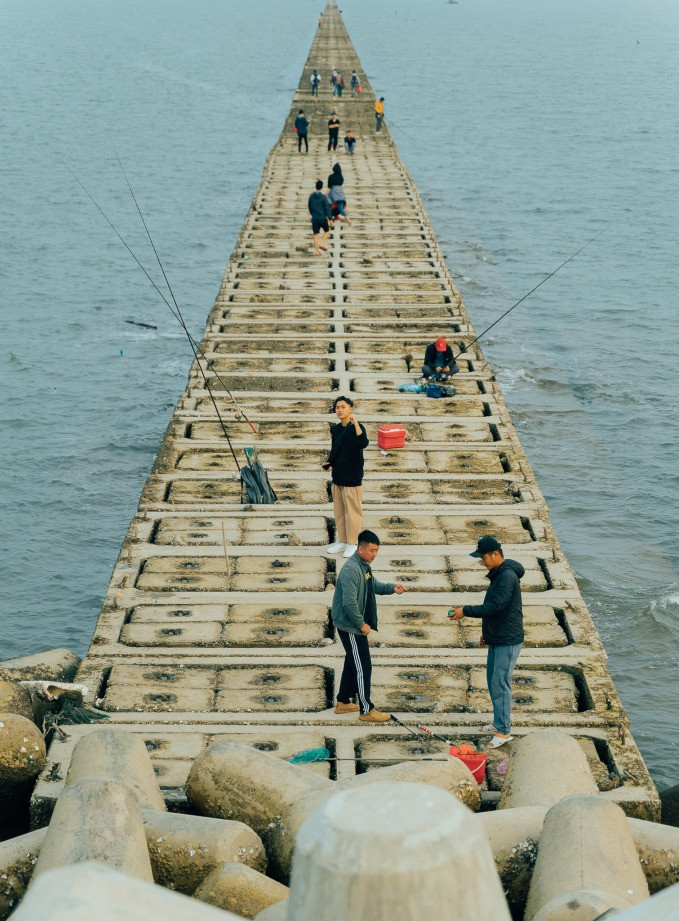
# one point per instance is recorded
(314, 89)
(332, 139)
(378, 121)
(300, 138)
(357, 670)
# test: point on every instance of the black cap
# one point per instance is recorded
(486, 544)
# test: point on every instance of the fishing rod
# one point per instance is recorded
(521, 300)
(192, 342)
(178, 314)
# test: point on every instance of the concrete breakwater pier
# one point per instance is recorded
(214, 654)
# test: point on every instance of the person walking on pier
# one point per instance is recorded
(339, 85)
(354, 614)
(302, 127)
(336, 194)
(354, 82)
(379, 113)
(333, 81)
(439, 363)
(501, 630)
(345, 462)
(333, 130)
(321, 213)
(315, 80)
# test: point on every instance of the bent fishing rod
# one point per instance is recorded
(521, 300)
(194, 346)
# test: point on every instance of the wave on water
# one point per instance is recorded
(665, 610)
(510, 377)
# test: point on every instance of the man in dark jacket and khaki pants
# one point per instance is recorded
(354, 614)
(501, 630)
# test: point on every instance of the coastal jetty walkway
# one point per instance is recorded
(216, 624)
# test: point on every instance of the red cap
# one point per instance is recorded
(440, 344)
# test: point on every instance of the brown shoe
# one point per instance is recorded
(346, 708)
(375, 716)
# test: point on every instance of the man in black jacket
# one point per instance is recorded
(439, 363)
(321, 213)
(345, 461)
(501, 630)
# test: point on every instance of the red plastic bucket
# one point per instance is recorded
(475, 761)
(391, 436)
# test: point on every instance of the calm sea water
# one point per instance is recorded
(528, 126)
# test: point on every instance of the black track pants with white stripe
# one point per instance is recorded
(357, 670)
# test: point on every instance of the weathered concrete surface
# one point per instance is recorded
(235, 887)
(51, 665)
(189, 647)
(393, 852)
(661, 907)
(185, 849)
(545, 767)
(90, 890)
(587, 863)
(120, 756)
(96, 819)
(15, 699)
(18, 856)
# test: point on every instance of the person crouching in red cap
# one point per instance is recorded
(439, 363)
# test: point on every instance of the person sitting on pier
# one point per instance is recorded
(321, 213)
(439, 363)
(302, 128)
(349, 142)
(336, 194)
(501, 631)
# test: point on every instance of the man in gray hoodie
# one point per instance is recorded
(501, 630)
(354, 614)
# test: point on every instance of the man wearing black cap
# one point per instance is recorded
(501, 630)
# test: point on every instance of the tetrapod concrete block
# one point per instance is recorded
(544, 767)
(96, 819)
(514, 835)
(240, 889)
(661, 907)
(91, 891)
(184, 849)
(587, 862)
(117, 755)
(394, 852)
(17, 859)
(234, 781)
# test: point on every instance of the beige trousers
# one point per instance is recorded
(347, 503)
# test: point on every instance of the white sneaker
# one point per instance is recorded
(336, 547)
(351, 549)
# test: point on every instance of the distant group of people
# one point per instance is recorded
(337, 82)
(301, 128)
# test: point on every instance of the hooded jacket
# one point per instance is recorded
(501, 612)
(353, 603)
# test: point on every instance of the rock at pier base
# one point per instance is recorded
(587, 863)
(90, 891)
(22, 757)
(669, 800)
(394, 852)
(96, 819)
(185, 849)
(544, 767)
(17, 859)
(117, 755)
(240, 889)
(661, 907)
(51, 665)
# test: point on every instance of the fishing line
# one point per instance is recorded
(165, 300)
(174, 299)
(521, 300)
(194, 345)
